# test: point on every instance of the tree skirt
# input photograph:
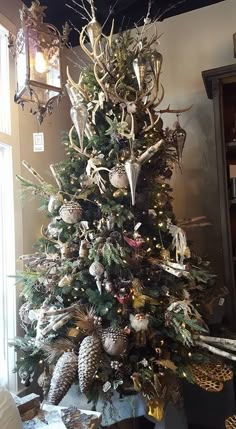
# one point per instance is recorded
(126, 408)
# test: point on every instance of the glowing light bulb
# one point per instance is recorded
(40, 63)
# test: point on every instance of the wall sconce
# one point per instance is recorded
(37, 49)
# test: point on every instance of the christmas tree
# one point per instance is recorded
(113, 298)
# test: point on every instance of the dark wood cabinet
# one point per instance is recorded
(220, 84)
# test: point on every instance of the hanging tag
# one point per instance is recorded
(59, 298)
(221, 302)
(137, 226)
(38, 142)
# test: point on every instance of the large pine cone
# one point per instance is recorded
(89, 355)
(114, 341)
(63, 376)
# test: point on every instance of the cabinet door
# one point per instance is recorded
(224, 114)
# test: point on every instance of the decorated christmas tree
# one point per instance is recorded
(113, 298)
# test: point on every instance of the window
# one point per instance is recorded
(7, 233)
(7, 266)
(5, 123)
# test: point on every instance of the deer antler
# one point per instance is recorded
(52, 240)
(73, 145)
(75, 85)
(152, 122)
(82, 45)
(168, 110)
(100, 81)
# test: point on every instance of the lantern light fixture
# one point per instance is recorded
(37, 49)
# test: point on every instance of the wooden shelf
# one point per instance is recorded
(231, 145)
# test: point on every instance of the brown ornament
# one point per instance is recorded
(71, 212)
(230, 422)
(205, 381)
(64, 375)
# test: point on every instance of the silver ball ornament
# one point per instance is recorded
(118, 177)
(96, 269)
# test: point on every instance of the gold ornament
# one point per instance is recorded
(140, 66)
(165, 254)
(156, 63)
(156, 409)
(187, 253)
(120, 193)
(230, 422)
(65, 281)
(136, 377)
(73, 332)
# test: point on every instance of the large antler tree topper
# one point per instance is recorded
(136, 95)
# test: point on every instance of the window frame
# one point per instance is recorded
(11, 143)
(7, 264)
(5, 106)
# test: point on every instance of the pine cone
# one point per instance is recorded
(114, 341)
(89, 355)
(63, 376)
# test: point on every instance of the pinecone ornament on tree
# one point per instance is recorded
(63, 376)
(114, 341)
(89, 355)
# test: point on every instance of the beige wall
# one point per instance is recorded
(191, 43)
